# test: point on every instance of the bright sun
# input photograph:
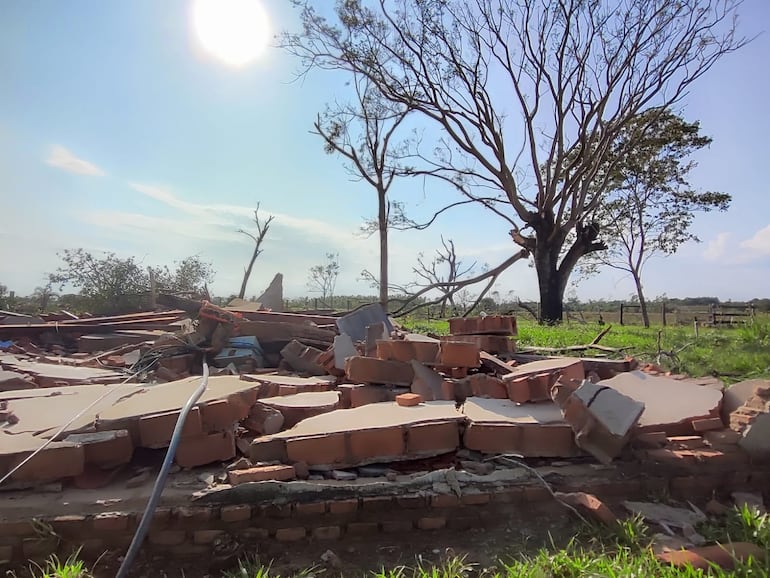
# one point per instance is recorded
(235, 31)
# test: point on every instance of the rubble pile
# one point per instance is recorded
(295, 395)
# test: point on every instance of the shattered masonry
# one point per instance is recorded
(318, 397)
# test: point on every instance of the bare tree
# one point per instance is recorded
(529, 95)
(362, 133)
(322, 278)
(262, 228)
(442, 273)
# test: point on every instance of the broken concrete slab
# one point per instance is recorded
(529, 430)
(298, 407)
(373, 433)
(263, 419)
(356, 322)
(601, 417)
(343, 348)
(57, 461)
(374, 333)
(670, 405)
(51, 375)
(426, 383)
(273, 385)
(569, 368)
(756, 437)
(303, 358)
(13, 380)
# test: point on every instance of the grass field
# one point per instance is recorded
(730, 353)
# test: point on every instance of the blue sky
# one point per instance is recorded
(118, 132)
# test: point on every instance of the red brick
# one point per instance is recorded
(277, 511)
(343, 506)
(218, 415)
(167, 537)
(411, 502)
(380, 443)
(459, 354)
(206, 536)
(432, 437)
(260, 474)
(486, 385)
(377, 503)
(462, 523)
(53, 463)
(444, 501)
(71, 525)
(448, 390)
(493, 344)
(285, 389)
(290, 534)
(651, 440)
(509, 496)
(251, 535)
(358, 394)
(406, 351)
(13, 529)
(491, 324)
(111, 522)
(591, 505)
(431, 523)
(709, 424)
(235, 513)
(534, 494)
(327, 533)
(188, 515)
(320, 450)
(548, 441)
(155, 431)
(373, 370)
(475, 499)
(268, 450)
(362, 528)
(311, 509)
(409, 399)
(106, 449)
(570, 368)
(396, 526)
(217, 447)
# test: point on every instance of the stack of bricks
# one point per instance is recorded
(757, 404)
(494, 333)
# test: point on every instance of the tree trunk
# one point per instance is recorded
(551, 286)
(247, 272)
(642, 302)
(382, 222)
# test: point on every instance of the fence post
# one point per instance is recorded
(663, 311)
(621, 314)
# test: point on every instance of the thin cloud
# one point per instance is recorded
(717, 248)
(759, 244)
(62, 158)
(217, 213)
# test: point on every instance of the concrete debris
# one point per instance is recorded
(670, 405)
(601, 417)
(308, 395)
(665, 515)
(272, 298)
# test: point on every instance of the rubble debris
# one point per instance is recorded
(491, 344)
(665, 515)
(14, 381)
(244, 352)
(601, 417)
(671, 405)
(272, 297)
(263, 419)
(356, 322)
(738, 394)
(426, 383)
(303, 358)
(374, 333)
(373, 370)
(300, 406)
(408, 399)
(589, 505)
(343, 348)
(750, 500)
(279, 473)
(752, 421)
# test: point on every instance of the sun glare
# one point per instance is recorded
(234, 31)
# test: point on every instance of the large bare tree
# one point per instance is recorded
(527, 95)
(362, 133)
(263, 226)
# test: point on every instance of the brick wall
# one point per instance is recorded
(199, 529)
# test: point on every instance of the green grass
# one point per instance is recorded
(732, 354)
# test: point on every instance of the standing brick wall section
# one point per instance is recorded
(194, 530)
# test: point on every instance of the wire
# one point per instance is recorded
(49, 441)
(160, 482)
